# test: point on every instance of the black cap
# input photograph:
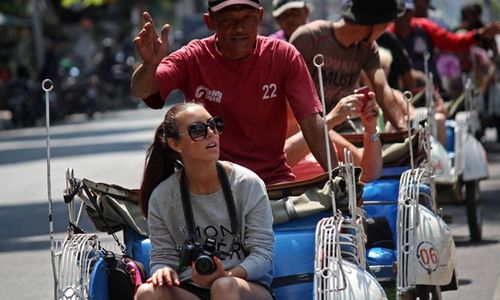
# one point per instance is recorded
(370, 12)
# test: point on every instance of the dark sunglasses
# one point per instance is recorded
(199, 130)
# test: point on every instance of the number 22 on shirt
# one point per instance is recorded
(269, 91)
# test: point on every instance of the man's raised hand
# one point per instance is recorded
(152, 48)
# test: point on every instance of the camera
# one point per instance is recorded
(201, 253)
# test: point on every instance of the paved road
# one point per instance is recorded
(108, 149)
(479, 263)
(111, 149)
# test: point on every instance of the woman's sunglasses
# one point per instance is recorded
(199, 130)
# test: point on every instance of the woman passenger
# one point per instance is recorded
(186, 149)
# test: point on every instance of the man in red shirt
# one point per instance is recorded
(421, 35)
(244, 78)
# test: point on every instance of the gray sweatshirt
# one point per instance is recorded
(168, 229)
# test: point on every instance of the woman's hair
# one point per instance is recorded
(385, 57)
(160, 158)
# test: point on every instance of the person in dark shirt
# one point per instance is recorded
(470, 20)
(420, 36)
(401, 66)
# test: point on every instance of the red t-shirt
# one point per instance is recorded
(250, 95)
(442, 38)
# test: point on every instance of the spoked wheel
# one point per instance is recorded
(474, 211)
(424, 292)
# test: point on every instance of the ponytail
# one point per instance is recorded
(161, 160)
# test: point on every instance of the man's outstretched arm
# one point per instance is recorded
(312, 129)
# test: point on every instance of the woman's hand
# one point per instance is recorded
(207, 280)
(369, 114)
(151, 48)
(164, 276)
(349, 106)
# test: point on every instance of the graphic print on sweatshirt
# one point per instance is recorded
(223, 237)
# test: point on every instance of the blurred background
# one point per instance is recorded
(85, 47)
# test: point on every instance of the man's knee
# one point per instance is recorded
(224, 286)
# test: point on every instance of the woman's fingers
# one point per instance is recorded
(206, 280)
(219, 266)
(175, 278)
(352, 105)
(370, 114)
(166, 276)
(370, 106)
(154, 278)
(171, 277)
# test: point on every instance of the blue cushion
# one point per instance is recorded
(385, 190)
(450, 136)
(381, 190)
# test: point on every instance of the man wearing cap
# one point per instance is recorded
(289, 15)
(348, 46)
(244, 78)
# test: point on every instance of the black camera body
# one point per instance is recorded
(201, 253)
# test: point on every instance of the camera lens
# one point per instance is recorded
(204, 265)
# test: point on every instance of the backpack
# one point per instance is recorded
(125, 275)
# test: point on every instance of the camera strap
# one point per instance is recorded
(228, 196)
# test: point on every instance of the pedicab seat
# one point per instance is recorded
(380, 202)
(381, 199)
(380, 261)
(450, 135)
(293, 256)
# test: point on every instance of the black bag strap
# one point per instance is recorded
(228, 196)
(292, 280)
(186, 206)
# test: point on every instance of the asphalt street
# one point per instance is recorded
(111, 148)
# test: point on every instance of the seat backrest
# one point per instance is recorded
(381, 200)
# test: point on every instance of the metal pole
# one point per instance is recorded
(48, 86)
(319, 62)
(408, 97)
